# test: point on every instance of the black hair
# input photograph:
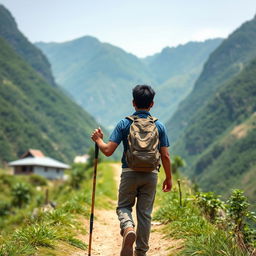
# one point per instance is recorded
(143, 95)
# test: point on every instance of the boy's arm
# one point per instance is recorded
(106, 148)
(166, 161)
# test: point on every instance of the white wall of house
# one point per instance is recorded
(49, 172)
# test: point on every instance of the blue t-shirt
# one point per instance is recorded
(122, 129)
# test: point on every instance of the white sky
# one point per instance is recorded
(142, 27)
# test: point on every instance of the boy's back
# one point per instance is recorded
(137, 184)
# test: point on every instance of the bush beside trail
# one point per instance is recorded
(209, 226)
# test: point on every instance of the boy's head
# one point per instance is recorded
(143, 96)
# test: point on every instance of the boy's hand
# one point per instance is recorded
(167, 185)
(97, 134)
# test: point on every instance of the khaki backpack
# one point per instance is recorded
(143, 144)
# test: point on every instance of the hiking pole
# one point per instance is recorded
(180, 192)
(93, 195)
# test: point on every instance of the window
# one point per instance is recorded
(45, 169)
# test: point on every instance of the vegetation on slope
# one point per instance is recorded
(9, 31)
(220, 143)
(34, 114)
(207, 225)
(226, 61)
(183, 59)
(38, 228)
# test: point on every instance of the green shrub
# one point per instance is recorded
(239, 215)
(5, 208)
(21, 194)
(210, 204)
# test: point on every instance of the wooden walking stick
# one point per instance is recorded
(93, 196)
(180, 193)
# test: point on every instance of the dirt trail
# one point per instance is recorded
(107, 240)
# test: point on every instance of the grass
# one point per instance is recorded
(47, 232)
(187, 222)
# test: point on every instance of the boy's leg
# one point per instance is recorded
(144, 207)
(126, 200)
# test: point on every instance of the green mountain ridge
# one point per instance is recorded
(34, 113)
(30, 53)
(176, 70)
(220, 145)
(227, 60)
(172, 61)
(94, 73)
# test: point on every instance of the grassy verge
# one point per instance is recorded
(33, 228)
(187, 222)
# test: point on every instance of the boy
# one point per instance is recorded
(137, 184)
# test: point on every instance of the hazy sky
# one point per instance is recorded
(142, 27)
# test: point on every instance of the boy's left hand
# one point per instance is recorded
(97, 134)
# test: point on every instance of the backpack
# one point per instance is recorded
(143, 144)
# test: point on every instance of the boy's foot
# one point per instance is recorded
(129, 237)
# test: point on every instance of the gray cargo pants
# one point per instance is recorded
(143, 187)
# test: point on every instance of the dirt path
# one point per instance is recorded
(107, 240)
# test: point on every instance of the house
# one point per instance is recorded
(35, 162)
(81, 159)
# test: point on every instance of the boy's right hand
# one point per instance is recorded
(167, 185)
(97, 133)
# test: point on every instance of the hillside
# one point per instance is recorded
(176, 70)
(173, 61)
(100, 76)
(225, 62)
(220, 144)
(34, 114)
(30, 53)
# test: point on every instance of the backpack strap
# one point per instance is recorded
(134, 117)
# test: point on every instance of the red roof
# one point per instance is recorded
(33, 153)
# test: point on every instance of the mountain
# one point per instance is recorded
(176, 70)
(30, 53)
(220, 144)
(226, 61)
(215, 126)
(173, 61)
(100, 76)
(35, 114)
